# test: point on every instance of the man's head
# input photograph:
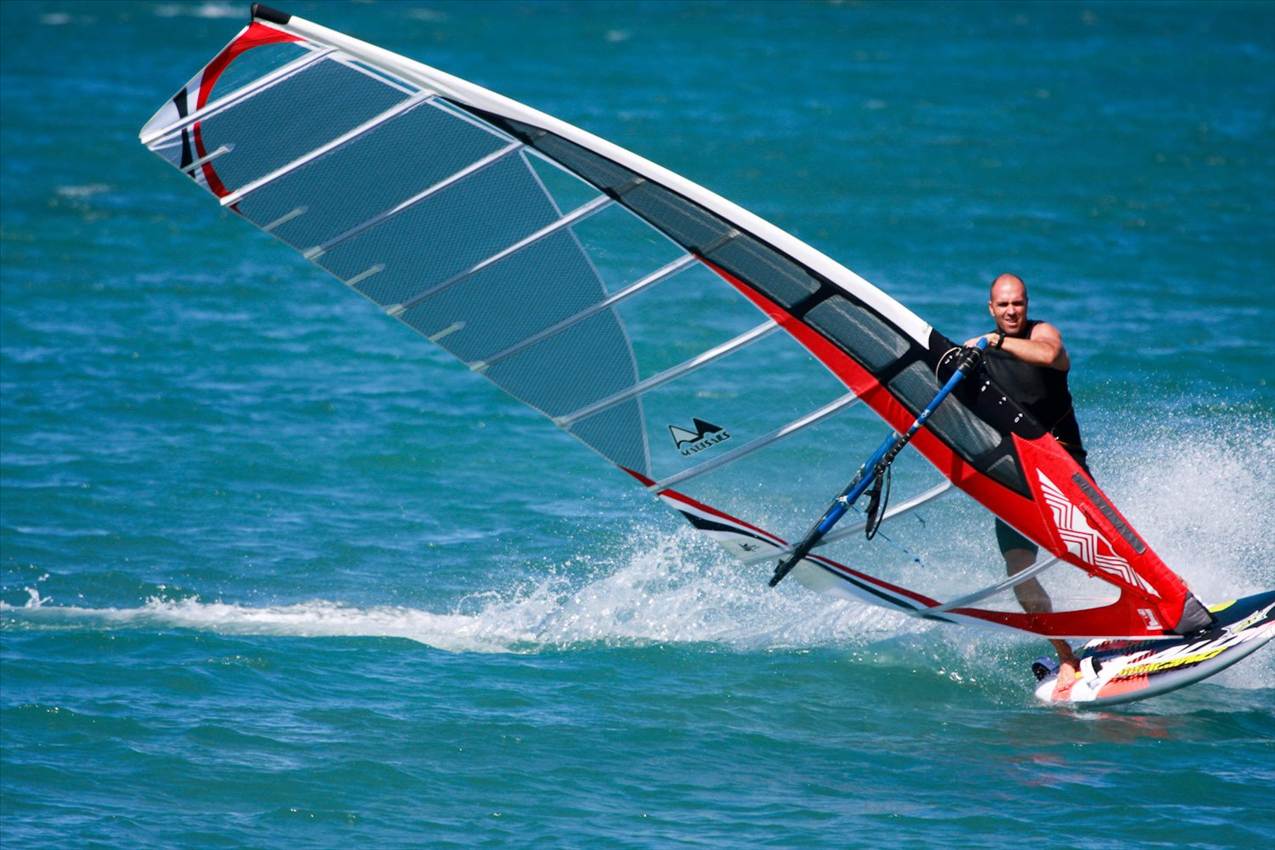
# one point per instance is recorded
(1008, 304)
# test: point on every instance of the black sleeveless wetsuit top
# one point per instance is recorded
(1042, 391)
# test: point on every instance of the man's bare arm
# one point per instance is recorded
(1043, 348)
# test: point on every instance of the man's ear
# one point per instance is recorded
(990, 311)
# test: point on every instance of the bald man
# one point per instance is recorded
(1028, 360)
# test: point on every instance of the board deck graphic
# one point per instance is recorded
(1113, 672)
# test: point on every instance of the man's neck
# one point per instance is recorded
(1025, 333)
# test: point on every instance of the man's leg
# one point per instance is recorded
(1035, 600)
(1020, 553)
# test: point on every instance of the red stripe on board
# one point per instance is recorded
(1123, 686)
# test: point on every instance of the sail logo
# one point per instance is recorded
(705, 436)
(1086, 542)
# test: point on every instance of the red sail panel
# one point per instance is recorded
(1065, 517)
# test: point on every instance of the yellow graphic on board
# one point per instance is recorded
(1168, 664)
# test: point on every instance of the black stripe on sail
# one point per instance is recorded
(1109, 512)
(712, 525)
(180, 102)
(263, 12)
(866, 588)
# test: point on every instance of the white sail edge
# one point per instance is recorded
(472, 94)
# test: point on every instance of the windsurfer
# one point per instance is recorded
(1028, 360)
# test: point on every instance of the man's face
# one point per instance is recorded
(1008, 306)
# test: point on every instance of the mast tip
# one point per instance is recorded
(266, 13)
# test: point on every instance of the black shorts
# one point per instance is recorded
(1007, 538)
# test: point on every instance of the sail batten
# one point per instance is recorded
(576, 215)
(373, 269)
(222, 150)
(979, 595)
(796, 426)
(285, 218)
(384, 79)
(850, 529)
(628, 292)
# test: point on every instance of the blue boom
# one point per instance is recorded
(874, 467)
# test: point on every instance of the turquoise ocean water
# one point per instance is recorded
(277, 572)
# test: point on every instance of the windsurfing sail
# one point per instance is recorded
(704, 351)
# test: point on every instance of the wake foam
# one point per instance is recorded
(1204, 499)
(1204, 502)
(679, 589)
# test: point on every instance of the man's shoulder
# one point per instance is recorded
(1043, 330)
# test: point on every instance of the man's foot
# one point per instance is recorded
(1067, 669)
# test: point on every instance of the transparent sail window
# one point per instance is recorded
(1057, 588)
(444, 235)
(688, 313)
(510, 300)
(565, 189)
(370, 174)
(688, 223)
(769, 271)
(599, 171)
(692, 226)
(785, 486)
(292, 118)
(724, 404)
(589, 361)
(621, 246)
